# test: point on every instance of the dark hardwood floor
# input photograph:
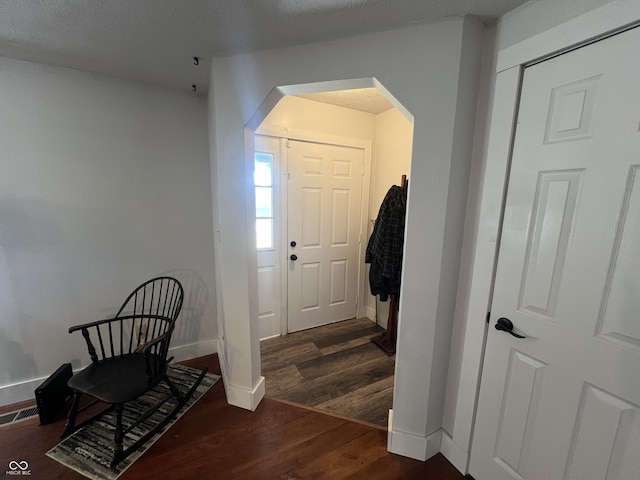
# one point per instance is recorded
(334, 368)
(215, 440)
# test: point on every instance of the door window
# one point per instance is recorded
(263, 184)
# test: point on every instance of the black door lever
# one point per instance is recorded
(505, 325)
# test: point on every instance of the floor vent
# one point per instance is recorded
(18, 416)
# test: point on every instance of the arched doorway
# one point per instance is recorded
(354, 116)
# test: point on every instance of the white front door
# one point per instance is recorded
(564, 402)
(324, 201)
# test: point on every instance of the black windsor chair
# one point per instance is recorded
(131, 359)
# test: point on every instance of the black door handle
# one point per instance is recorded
(506, 325)
(293, 257)
(293, 243)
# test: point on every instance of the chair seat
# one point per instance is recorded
(116, 380)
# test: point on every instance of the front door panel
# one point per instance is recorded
(325, 188)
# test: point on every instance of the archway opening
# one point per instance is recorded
(353, 115)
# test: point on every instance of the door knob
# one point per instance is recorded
(293, 243)
(293, 257)
(505, 325)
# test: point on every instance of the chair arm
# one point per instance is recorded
(91, 324)
(144, 348)
(120, 317)
(109, 350)
(85, 333)
(152, 371)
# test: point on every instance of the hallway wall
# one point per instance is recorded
(104, 184)
(438, 84)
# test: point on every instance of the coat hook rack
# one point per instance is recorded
(387, 340)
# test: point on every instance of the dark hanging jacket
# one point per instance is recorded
(384, 250)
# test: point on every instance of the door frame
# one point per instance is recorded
(325, 139)
(595, 25)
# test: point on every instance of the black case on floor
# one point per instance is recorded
(54, 394)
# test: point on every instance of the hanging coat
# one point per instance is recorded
(384, 250)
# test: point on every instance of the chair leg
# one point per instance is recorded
(119, 436)
(70, 424)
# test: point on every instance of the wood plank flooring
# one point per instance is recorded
(334, 368)
(215, 440)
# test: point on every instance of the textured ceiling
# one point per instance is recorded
(368, 100)
(156, 40)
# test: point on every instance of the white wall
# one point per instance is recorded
(433, 71)
(391, 156)
(459, 399)
(104, 183)
(462, 150)
(391, 160)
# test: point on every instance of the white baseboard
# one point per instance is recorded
(222, 358)
(194, 350)
(244, 398)
(21, 391)
(25, 390)
(371, 313)
(414, 446)
(239, 396)
(454, 453)
(383, 313)
(272, 336)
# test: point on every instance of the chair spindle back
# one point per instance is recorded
(148, 313)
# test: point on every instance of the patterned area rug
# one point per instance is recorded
(90, 449)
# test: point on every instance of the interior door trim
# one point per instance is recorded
(597, 24)
(313, 137)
